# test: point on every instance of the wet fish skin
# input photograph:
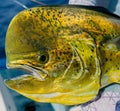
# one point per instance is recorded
(71, 51)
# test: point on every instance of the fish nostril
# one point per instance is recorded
(30, 108)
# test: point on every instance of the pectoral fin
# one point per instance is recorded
(110, 54)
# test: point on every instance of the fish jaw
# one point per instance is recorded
(37, 72)
(52, 93)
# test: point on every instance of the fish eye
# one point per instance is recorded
(43, 57)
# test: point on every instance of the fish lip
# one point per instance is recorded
(37, 72)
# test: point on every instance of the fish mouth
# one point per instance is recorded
(34, 71)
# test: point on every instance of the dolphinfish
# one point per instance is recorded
(70, 52)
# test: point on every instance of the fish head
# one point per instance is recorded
(34, 45)
(45, 56)
(55, 69)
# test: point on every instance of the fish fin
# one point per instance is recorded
(110, 62)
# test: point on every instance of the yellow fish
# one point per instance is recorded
(70, 52)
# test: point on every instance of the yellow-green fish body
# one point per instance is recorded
(70, 51)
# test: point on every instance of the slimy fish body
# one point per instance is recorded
(70, 52)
